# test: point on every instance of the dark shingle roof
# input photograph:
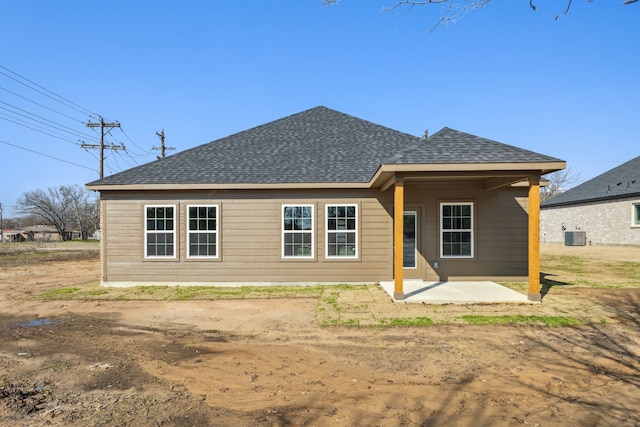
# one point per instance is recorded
(319, 145)
(452, 146)
(619, 182)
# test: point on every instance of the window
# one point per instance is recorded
(409, 240)
(636, 215)
(297, 231)
(202, 231)
(160, 233)
(342, 231)
(456, 228)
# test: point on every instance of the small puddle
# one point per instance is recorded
(36, 322)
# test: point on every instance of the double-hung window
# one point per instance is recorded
(636, 215)
(456, 230)
(202, 231)
(342, 231)
(160, 232)
(297, 231)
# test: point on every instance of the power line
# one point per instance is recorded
(56, 129)
(30, 126)
(40, 105)
(147, 152)
(53, 124)
(124, 159)
(115, 155)
(66, 102)
(90, 153)
(46, 155)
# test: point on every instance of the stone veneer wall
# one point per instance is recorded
(608, 222)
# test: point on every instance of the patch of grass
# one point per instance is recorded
(521, 319)
(186, 293)
(571, 264)
(331, 299)
(147, 290)
(417, 321)
(17, 248)
(341, 322)
(95, 293)
(630, 270)
(330, 308)
(62, 293)
(271, 292)
(591, 272)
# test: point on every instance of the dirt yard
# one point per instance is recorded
(119, 361)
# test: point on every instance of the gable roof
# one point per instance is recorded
(619, 182)
(319, 145)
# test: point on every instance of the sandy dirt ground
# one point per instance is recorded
(267, 362)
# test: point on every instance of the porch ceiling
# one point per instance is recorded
(491, 180)
(494, 175)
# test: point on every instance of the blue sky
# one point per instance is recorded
(202, 70)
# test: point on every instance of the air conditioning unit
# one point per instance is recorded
(575, 238)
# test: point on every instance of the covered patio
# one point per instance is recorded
(419, 291)
(406, 287)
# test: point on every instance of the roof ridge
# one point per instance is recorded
(481, 138)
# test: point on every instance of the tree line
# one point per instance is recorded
(66, 208)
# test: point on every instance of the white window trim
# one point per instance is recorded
(216, 232)
(311, 231)
(327, 232)
(635, 207)
(471, 230)
(174, 232)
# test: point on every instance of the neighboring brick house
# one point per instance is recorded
(606, 208)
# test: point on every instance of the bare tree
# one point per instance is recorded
(559, 182)
(454, 10)
(86, 212)
(61, 207)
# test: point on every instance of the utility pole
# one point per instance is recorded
(162, 148)
(102, 125)
(1, 225)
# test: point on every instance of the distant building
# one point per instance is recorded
(43, 233)
(12, 235)
(606, 208)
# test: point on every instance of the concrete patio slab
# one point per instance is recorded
(418, 291)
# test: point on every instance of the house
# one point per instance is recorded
(12, 235)
(325, 197)
(43, 233)
(606, 208)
